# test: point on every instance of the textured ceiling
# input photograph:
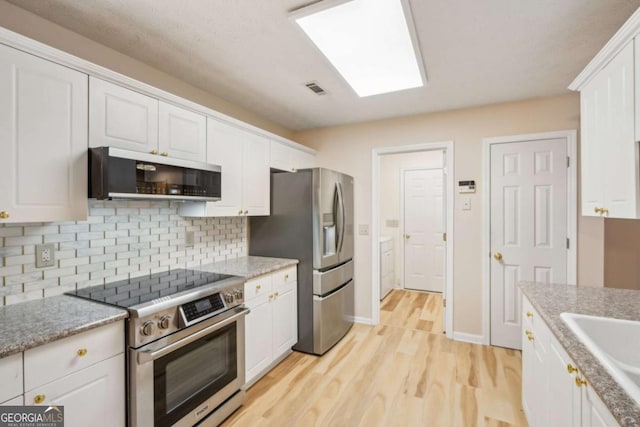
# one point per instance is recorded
(249, 52)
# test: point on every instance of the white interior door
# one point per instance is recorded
(528, 227)
(424, 246)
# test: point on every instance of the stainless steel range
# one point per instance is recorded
(185, 335)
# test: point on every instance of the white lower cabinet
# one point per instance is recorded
(553, 391)
(95, 393)
(272, 325)
(85, 373)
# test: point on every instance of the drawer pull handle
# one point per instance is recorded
(529, 314)
(580, 382)
(39, 398)
(82, 352)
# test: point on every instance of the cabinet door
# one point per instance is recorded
(258, 337)
(95, 393)
(16, 401)
(43, 139)
(563, 402)
(303, 160)
(534, 379)
(225, 147)
(593, 113)
(257, 178)
(12, 378)
(594, 411)
(182, 133)
(119, 117)
(285, 319)
(280, 157)
(619, 162)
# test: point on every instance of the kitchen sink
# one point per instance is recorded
(615, 343)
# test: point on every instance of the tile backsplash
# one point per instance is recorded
(120, 239)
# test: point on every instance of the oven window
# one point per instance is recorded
(190, 375)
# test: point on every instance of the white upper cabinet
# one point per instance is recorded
(287, 158)
(182, 133)
(245, 186)
(610, 126)
(43, 139)
(609, 163)
(122, 118)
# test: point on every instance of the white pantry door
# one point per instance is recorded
(424, 246)
(528, 227)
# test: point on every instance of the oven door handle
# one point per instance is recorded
(146, 356)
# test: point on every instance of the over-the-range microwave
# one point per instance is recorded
(115, 173)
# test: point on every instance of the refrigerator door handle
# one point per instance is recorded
(342, 216)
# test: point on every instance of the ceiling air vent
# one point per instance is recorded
(315, 88)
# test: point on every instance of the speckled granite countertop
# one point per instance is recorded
(249, 266)
(551, 300)
(33, 323)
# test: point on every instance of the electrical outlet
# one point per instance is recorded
(45, 255)
(363, 229)
(189, 239)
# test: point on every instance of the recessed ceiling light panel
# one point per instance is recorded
(369, 42)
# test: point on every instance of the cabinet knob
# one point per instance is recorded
(497, 256)
(407, 236)
(239, 212)
(39, 398)
(580, 382)
(82, 352)
(154, 151)
(276, 295)
(605, 211)
(271, 297)
(571, 369)
(164, 153)
(4, 214)
(258, 287)
(286, 277)
(529, 335)
(529, 314)
(246, 212)
(293, 169)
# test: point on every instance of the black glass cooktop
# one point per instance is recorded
(131, 292)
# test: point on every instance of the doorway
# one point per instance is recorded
(434, 255)
(530, 224)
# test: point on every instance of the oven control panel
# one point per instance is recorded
(196, 309)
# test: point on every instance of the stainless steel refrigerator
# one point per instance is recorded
(312, 220)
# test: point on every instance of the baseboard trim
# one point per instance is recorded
(363, 320)
(471, 338)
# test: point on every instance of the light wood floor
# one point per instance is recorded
(403, 372)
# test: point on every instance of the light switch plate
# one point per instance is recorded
(363, 229)
(466, 204)
(45, 255)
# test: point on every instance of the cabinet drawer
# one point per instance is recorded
(16, 401)
(284, 287)
(287, 275)
(261, 285)
(11, 374)
(51, 361)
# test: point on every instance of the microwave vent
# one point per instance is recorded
(315, 88)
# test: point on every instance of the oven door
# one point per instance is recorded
(181, 379)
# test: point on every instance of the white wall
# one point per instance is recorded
(391, 166)
(348, 149)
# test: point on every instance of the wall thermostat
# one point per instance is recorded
(466, 186)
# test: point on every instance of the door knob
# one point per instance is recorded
(407, 236)
(497, 256)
